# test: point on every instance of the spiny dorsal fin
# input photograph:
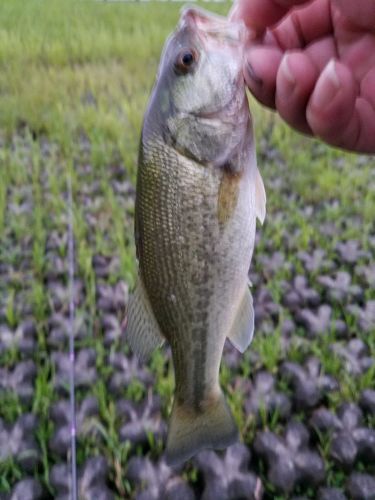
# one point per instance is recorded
(142, 330)
(242, 329)
(260, 197)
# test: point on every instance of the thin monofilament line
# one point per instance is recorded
(71, 341)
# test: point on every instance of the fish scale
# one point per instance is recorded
(171, 267)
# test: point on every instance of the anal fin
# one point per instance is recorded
(242, 329)
(142, 330)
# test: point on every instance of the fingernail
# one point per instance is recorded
(286, 81)
(286, 71)
(327, 86)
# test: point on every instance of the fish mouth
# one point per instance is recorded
(213, 26)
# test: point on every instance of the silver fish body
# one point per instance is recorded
(198, 194)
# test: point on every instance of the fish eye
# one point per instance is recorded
(185, 61)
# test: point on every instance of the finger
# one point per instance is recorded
(322, 51)
(295, 82)
(364, 123)
(262, 65)
(336, 114)
(304, 25)
(259, 14)
(296, 79)
(361, 14)
(368, 86)
(319, 51)
(260, 72)
(359, 55)
(365, 108)
(331, 104)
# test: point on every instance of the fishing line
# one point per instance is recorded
(74, 492)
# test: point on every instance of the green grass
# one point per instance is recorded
(75, 77)
(89, 66)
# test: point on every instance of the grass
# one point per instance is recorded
(74, 82)
(89, 67)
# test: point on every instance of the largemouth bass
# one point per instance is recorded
(198, 195)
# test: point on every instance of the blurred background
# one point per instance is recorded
(74, 81)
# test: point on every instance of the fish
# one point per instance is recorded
(198, 194)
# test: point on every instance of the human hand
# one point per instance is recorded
(314, 62)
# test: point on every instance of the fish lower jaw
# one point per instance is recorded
(231, 108)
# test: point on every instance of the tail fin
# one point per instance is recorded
(191, 431)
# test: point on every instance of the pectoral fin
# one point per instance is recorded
(260, 197)
(242, 329)
(142, 330)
